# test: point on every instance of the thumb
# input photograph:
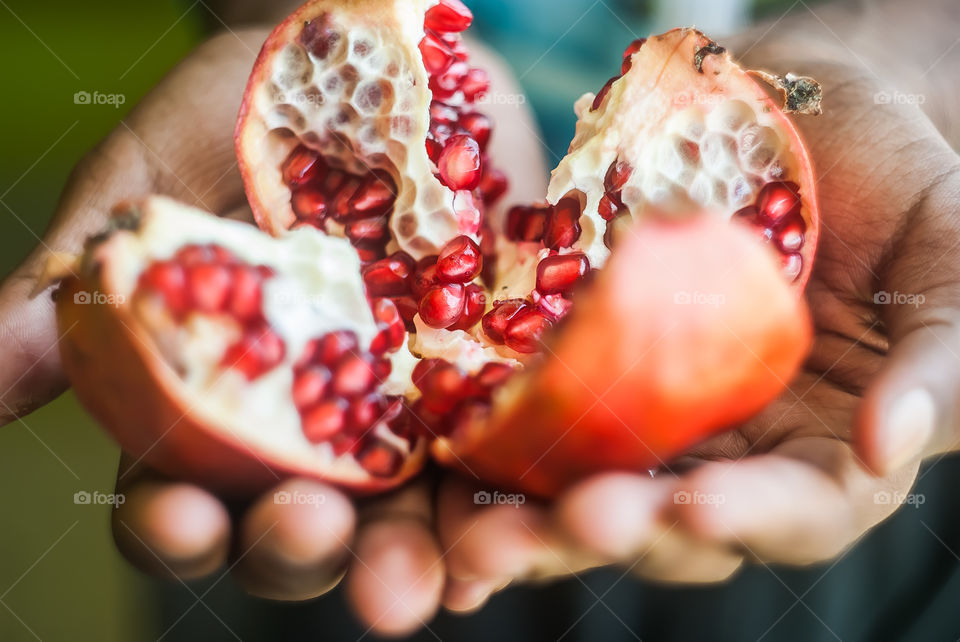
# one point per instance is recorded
(912, 407)
(178, 141)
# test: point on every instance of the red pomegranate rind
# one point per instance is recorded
(688, 331)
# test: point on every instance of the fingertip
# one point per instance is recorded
(468, 596)
(893, 427)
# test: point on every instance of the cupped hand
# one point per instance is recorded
(839, 451)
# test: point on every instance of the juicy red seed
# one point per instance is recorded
(557, 274)
(353, 376)
(475, 84)
(447, 84)
(616, 177)
(492, 185)
(496, 320)
(475, 304)
(443, 386)
(423, 368)
(340, 206)
(442, 305)
(169, 280)
(631, 49)
(790, 235)
(309, 204)
(371, 232)
(390, 276)
(435, 53)
(563, 230)
(309, 386)
(448, 15)
(301, 166)
(791, 266)
(455, 41)
(608, 208)
(324, 420)
(493, 375)
(363, 413)
(442, 113)
(380, 459)
(374, 198)
(527, 224)
(334, 346)
(408, 307)
(525, 330)
(459, 163)
(459, 261)
(382, 369)
(245, 297)
(257, 351)
(598, 100)
(553, 306)
(777, 201)
(209, 286)
(426, 276)
(479, 126)
(392, 330)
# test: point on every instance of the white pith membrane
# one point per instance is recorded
(316, 289)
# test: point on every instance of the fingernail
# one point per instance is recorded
(907, 428)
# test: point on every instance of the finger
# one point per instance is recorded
(912, 407)
(468, 596)
(677, 558)
(396, 577)
(178, 142)
(803, 502)
(169, 529)
(295, 549)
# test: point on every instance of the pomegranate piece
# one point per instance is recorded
(334, 346)
(459, 261)
(390, 276)
(527, 223)
(324, 420)
(475, 302)
(245, 302)
(435, 53)
(368, 233)
(563, 227)
(442, 305)
(374, 198)
(525, 330)
(310, 385)
(448, 15)
(496, 320)
(257, 352)
(557, 274)
(353, 376)
(778, 201)
(309, 204)
(459, 163)
(169, 280)
(300, 167)
(209, 286)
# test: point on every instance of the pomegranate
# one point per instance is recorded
(504, 338)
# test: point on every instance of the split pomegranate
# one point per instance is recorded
(509, 339)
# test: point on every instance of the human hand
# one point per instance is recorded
(796, 484)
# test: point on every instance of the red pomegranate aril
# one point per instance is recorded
(309, 386)
(442, 113)
(334, 346)
(608, 208)
(209, 286)
(382, 369)
(380, 459)
(475, 302)
(777, 201)
(341, 206)
(527, 224)
(443, 385)
(389, 276)
(245, 296)
(301, 166)
(790, 235)
(362, 413)
(459, 261)
(374, 198)
(556, 274)
(258, 351)
(457, 46)
(616, 177)
(598, 99)
(525, 330)
(446, 85)
(169, 280)
(459, 163)
(408, 307)
(392, 330)
(479, 126)
(493, 375)
(309, 204)
(371, 232)
(435, 53)
(442, 305)
(353, 376)
(325, 420)
(631, 49)
(493, 185)
(371, 254)
(475, 84)
(496, 320)
(791, 266)
(448, 15)
(563, 228)
(425, 276)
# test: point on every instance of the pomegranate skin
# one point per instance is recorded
(689, 331)
(140, 402)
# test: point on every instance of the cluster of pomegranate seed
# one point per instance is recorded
(631, 49)
(362, 204)
(459, 134)
(451, 397)
(556, 226)
(516, 323)
(208, 279)
(776, 217)
(444, 286)
(334, 389)
(611, 204)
